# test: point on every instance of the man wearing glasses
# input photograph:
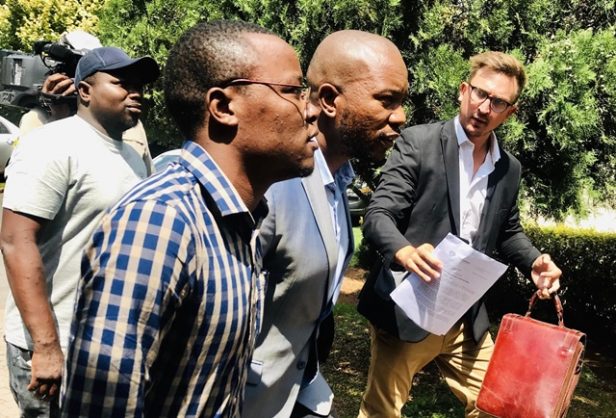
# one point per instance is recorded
(446, 177)
(170, 301)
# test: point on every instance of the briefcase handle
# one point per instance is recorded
(557, 305)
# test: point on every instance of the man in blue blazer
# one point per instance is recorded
(358, 80)
(446, 177)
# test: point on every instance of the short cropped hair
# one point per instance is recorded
(500, 63)
(206, 56)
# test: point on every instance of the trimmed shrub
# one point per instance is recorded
(588, 290)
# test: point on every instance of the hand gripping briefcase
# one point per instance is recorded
(534, 369)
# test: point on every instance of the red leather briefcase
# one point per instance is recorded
(534, 369)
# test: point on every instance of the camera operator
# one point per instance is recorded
(62, 178)
(58, 96)
(60, 101)
(62, 89)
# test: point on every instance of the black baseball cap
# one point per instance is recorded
(109, 58)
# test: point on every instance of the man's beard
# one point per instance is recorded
(356, 141)
(359, 146)
(305, 171)
(354, 138)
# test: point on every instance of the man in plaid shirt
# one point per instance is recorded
(169, 305)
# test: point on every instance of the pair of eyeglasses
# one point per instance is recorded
(298, 90)
(479, 96)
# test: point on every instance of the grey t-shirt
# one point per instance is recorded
(69, 173)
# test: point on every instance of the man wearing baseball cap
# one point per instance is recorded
(61, 179)
(60, 96)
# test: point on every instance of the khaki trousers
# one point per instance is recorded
(393, 363)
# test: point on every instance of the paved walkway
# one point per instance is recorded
(8, 407)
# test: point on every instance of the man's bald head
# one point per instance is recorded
(345, 56)
(359, 81)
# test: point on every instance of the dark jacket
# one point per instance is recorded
(418, 201)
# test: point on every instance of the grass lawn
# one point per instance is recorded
(347, 367)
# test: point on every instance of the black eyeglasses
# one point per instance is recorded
(479, 96)
(297, 91)
(294, 89)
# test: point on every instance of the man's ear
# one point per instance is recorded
(462, 90)
(220, 105)
(327, 95)
(84, 90)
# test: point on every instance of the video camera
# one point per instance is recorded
(21, 78)
(22, 75)
(58, 57)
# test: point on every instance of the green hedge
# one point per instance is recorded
(588, 289)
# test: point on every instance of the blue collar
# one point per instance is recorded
(199, 163)
(343, 176)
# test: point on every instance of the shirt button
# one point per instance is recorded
(301, 364)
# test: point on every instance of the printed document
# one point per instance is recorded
(436, 306)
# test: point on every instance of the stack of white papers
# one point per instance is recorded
(436, 306)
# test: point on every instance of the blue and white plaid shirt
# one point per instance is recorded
(169, 304)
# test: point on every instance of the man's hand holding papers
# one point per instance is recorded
(420, 260)
(464, 276)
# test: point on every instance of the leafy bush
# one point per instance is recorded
(588, 289)
(569, 140)
(565, 131)
(24, 21)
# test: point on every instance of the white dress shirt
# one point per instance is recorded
(335, 187)
(473, 187)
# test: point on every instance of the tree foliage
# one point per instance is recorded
(564, 132)
(24, 21)
(569, 146)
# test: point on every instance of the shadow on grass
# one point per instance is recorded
(347, 368)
